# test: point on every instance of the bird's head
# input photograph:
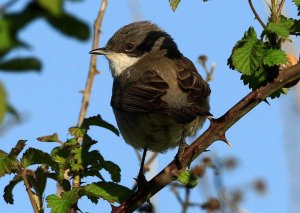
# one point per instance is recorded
(132, 42)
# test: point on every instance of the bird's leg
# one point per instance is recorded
(141, 180)
(182, 146)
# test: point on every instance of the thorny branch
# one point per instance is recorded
(88, 87)
(216, 131)
(92, 70)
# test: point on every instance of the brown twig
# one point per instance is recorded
(29, 192)
(256, 15)
(280, 6)
(89, 82)
(216, 131)
(92, 70)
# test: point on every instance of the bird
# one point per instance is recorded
(158, 96)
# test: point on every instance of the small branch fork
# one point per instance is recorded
(216, 131)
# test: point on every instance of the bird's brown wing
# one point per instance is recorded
(197, 91)
(142, 95)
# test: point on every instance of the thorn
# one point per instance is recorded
(266, 101)
(81, 91)
(224, 139)
(206, 150)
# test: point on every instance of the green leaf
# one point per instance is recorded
(3, 102)
(14, 152)
(71, 142)
(77, 132)
(76, 160)
(297, 3)
(114, 171)
(274, 57)
(281, 28)
(188, 179)
(98, 121)
(35, 156)
(248, 53)
(49, 138)
(109, 191)
(21, 65)
(62, 204)
(174, 4)
(8, 195)
(8, 164)
(70, 26)
(39, 180)
(6, 39)
(54, 7)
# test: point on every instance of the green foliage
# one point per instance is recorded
(21, 64)
(274, 57)
(108, 191)
(8, 162)
(282, 28)
(62, 204)
(3, 102)
(98, 121)
(49, 138)
(188, 179)
(8, 195)
(54, 7)
(258, 60)
(35, 156)
(69, 25)
(174, 4)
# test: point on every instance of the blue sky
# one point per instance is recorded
(50, 100)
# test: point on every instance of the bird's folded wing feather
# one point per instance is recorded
(143, 95)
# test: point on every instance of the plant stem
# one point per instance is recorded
(256, 15)
(29, 192)
(89, 82)
(92, 69)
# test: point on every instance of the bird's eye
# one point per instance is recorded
(129, 47)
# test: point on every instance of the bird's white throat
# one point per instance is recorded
(119, 62)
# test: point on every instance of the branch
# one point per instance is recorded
(256, 15)
(216, 131)
(92, 70)
(29, 192)
(89, 82)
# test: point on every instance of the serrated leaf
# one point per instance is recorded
(14, 152)
(247, 54)
(3, 102)
(188, 179)
(174, 4)
(281, 28)
(71, 142)
(70, 26)
(77, 132)
(21, 65)
(8, 164)
(98, 121)
(39, 180)
(8, 195)
(54, 7)
(35, 156)
(274, 57)
(109, 191)
(49, 138)
(62, 204)
(114, 171)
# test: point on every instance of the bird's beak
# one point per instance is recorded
(100, 51)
